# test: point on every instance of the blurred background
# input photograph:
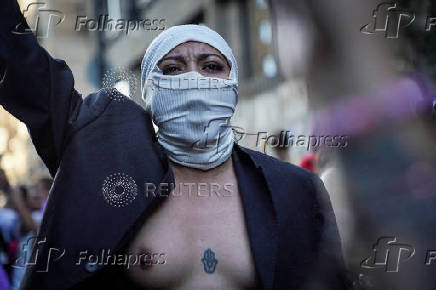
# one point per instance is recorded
(306, 69)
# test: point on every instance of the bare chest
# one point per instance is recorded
(197, 239)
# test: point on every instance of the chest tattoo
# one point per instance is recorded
(209, 261)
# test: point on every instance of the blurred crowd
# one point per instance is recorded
(20, 218)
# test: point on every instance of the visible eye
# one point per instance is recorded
(213, 67)
(170, 70)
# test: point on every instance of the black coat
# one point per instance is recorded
(83, 142)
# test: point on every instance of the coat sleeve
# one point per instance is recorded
(35, 88)
(329, 268)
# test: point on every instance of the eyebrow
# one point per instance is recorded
(200, 56)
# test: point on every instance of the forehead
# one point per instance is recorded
(193, 46)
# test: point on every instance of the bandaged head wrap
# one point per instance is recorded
(192, 112)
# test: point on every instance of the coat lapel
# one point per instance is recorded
(259, 213)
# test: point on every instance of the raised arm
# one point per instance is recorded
(34, 87)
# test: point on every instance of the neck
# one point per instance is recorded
(196, 174)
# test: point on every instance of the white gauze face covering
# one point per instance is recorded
(191, 111)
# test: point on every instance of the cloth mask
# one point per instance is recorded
(193, 115)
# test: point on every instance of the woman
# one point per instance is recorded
(189, 209)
